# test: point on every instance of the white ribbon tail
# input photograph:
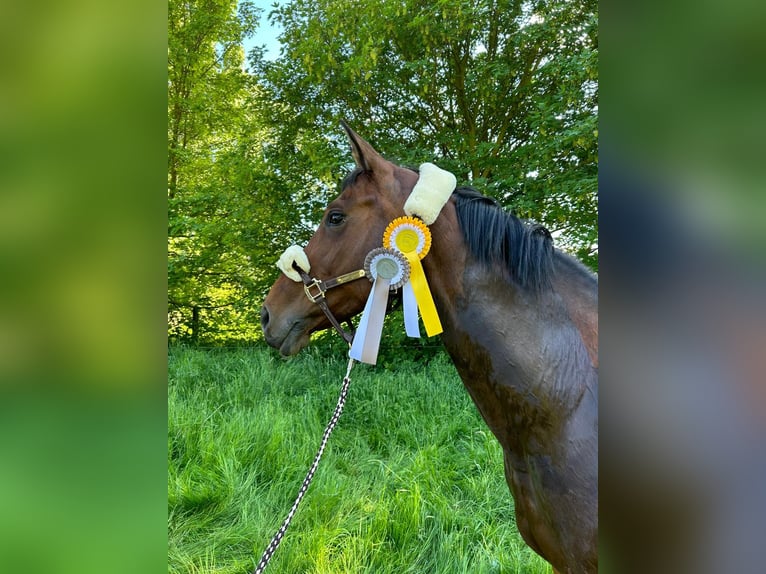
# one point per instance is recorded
(410, 305)
(361, 330)
(364, 347)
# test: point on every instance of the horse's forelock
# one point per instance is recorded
(398, 173)
(350, 179)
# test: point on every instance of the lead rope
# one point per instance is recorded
(272, 547)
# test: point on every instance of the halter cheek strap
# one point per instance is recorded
(295, 265)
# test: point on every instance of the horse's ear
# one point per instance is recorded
(364, 154)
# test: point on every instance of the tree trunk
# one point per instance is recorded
(195, 324)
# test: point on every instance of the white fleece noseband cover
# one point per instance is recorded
(430, 193)
(294, 253)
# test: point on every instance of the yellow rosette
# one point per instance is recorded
(412, 238)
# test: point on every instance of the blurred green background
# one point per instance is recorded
(82, 286)
(83, 252)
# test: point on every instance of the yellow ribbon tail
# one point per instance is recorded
(423, 296)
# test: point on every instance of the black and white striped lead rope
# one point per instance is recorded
(272, 547)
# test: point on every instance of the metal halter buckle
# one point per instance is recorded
(320, 291)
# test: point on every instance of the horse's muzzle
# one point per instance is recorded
(288, 337)
(264, 319)
(273, 339)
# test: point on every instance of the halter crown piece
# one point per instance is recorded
(406, 241)
(430, 193)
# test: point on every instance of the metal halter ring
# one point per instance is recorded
(320, 292)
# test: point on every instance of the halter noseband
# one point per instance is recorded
(315, 290)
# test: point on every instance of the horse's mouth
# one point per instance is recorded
(292, 345)
(295, 339)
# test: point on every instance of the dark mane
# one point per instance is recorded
(496, 237)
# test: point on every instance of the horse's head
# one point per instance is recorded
(352, 225)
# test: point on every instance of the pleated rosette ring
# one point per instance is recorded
(388, 265)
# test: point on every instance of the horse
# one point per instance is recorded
(520, 323)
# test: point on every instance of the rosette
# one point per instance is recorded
(408, 235)
(412, 238)
(387, 264)
(388, 270)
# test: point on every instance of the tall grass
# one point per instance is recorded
(411, 481)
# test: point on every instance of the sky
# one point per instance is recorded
(266, 34)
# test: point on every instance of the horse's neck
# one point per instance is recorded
(516, 352)
(579, 292)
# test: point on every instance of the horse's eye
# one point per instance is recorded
(335, 218)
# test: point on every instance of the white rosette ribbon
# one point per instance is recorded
(388, 270)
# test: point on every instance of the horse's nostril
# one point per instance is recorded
(264, 317)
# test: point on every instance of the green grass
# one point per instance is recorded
(411, 481)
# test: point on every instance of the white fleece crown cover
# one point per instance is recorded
(285, 262)
(430, 193)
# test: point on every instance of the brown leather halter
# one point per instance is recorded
(315, 291)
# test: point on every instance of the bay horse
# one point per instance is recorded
(520, 323)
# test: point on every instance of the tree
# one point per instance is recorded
(503, 93)
(209, 270)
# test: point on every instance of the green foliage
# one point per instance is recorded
(208, 264)
(504, 94)
(411, 480)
